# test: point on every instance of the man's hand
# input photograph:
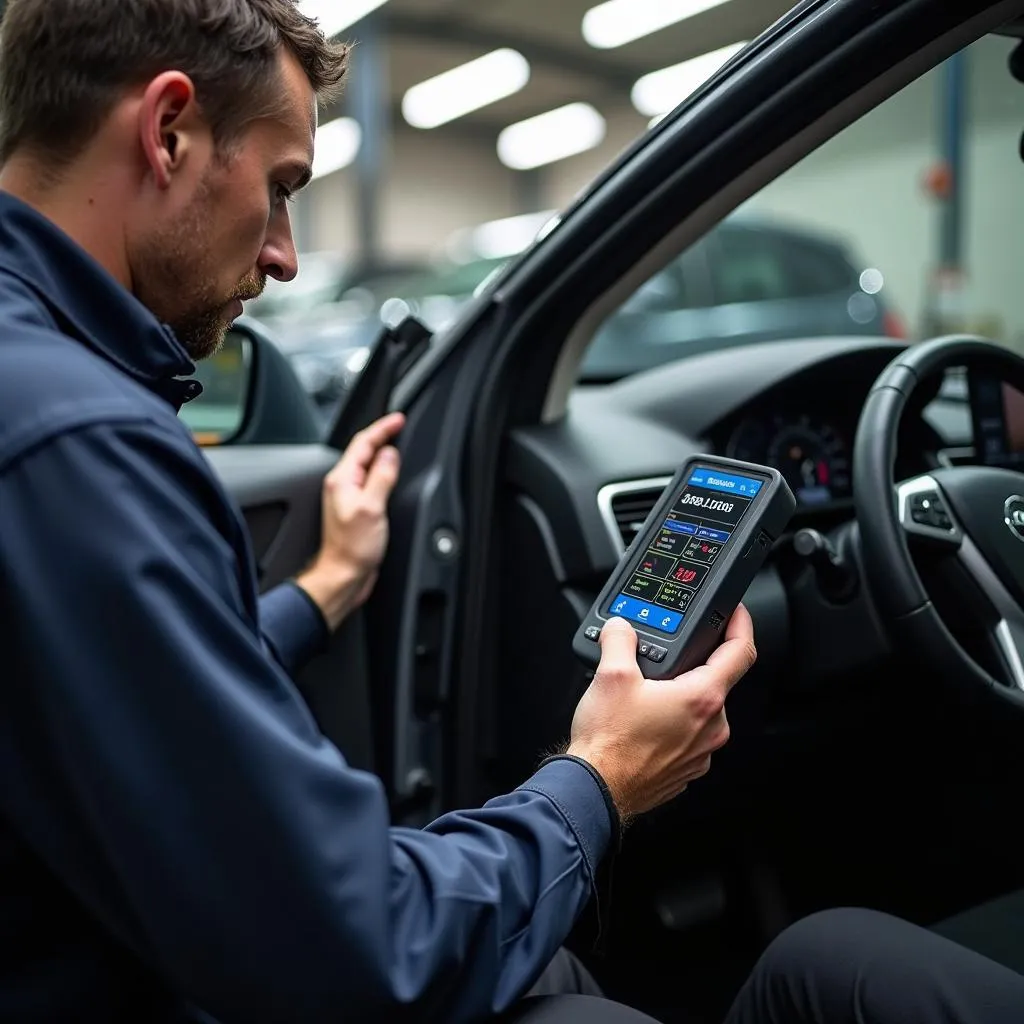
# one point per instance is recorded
(648, 739)
(355, 521)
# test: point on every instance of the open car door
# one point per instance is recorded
(261, 435)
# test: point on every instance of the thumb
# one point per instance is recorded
(618, 646)
(383, 475)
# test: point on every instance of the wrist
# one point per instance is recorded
(617, 778)
(615, 818)
(334, 587)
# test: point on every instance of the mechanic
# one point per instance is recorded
(177, 839)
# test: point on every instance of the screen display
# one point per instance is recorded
(675, 566)
(998, 413)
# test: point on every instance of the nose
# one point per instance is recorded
(278, 258)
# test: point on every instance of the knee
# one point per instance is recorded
(830, 938)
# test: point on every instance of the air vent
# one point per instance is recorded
(625, 507)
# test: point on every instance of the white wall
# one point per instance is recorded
(432, 187)
(867, 185)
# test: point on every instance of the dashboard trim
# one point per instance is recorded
(607, 494)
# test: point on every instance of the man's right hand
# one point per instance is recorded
(648, 739)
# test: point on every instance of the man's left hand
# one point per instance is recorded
(355, 521)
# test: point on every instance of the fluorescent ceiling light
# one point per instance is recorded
(337, 144)
(498, 239)
(662, 91)
(618, 22)
(336, 15)
(558, 134)
(468, 87)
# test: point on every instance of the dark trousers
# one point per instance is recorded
(862, 967)
(567, 994)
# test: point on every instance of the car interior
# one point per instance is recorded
(875, 746)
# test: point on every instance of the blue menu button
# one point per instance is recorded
(646, 614)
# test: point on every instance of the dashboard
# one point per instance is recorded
(793, 405)
(579, 488)
(810, 451)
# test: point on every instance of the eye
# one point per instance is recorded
(284, 193)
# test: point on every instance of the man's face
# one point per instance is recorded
(227, 228)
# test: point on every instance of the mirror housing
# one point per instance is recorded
(251, 395)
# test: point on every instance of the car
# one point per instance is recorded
(750, 279)
(875, 745)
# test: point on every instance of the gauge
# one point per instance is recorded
(812, 458)
(749, 441)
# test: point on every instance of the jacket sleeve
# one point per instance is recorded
(167, 771)
(293, 627)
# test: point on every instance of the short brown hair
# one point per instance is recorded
(65, 63)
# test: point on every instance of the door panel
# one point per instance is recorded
(278, 489)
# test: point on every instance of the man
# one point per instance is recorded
(177, 839)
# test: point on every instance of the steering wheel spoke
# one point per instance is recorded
(925, 514)
(1006, 631)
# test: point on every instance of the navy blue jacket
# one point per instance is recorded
(175, 832)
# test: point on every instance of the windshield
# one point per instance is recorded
(897, 227)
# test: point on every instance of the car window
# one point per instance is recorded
(767, 266)
(672, 288)
(879, 232)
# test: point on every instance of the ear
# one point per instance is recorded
(168, 117)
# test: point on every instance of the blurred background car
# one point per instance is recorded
(750, 279)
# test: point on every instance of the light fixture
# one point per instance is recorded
(497, 239)
(471, 86)
(661, 91)
(618, 22)
(337, 144)
(334, 16)
(552, 136)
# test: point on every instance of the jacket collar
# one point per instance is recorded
(90, 305)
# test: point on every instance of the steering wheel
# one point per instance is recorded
(966, 523)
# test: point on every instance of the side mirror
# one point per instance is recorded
(251, 395)
(217, 415)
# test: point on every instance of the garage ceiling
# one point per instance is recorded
(427, 37)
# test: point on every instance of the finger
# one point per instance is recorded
(363, 448)
(383, 475)
(737, 653)
(741, 624)
(618, 647)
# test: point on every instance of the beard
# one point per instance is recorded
(175, 274)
